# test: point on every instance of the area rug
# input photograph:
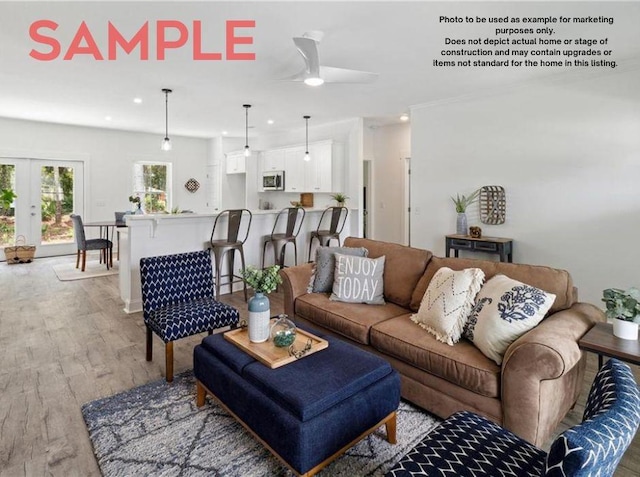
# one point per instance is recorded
(93, 269)
(157, 430)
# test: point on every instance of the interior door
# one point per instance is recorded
(47, 193)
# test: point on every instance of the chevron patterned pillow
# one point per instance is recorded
(448, 301)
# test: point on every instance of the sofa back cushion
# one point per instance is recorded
(551, 280)
(402, 269)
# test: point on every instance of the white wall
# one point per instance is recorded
(567, 153)
(108, 155)
(387, 147)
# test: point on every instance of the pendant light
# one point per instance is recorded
(307, 157)
(166, 142)
(247, 150)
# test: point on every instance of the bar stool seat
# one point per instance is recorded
(220, 247)
(279, 240)
(324, 236)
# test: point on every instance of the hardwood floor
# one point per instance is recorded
(63, 344)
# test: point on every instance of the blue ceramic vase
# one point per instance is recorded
(259, 317)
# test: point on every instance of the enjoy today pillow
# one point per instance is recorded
(446, 304)
(505, 309)
(322, 278)
(358, 280)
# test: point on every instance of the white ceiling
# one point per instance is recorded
(398, 40)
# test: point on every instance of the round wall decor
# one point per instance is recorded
(192, 185)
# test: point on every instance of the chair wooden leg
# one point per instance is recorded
(78, 259)
(149, 344)
(84, 260)
(111, 256)
(169, 361)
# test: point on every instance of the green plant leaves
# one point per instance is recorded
(262, 280)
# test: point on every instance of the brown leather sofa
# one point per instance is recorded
(530, 393)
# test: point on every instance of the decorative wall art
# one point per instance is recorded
(192, 185)
(493, 205)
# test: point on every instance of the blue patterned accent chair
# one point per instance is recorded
(466, 444)
(178, 300)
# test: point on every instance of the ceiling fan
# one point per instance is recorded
(316, 74)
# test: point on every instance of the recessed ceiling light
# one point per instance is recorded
(269, 121)
(107, 118)
(224, 133)
(137, 100)
(404, 117)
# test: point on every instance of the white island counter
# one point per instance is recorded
(164, 234)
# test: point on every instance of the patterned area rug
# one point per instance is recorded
(156, 429)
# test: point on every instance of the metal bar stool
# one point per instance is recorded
(338, 220)
(295, 217)
(231, 243)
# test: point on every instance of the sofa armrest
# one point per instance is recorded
(295, 281)
(542, 373)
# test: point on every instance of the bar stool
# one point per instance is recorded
(231, 243)
(338, 219)
(279, 241)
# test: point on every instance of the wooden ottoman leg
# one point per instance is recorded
(169, 361)
(390, 425)
(201, 393)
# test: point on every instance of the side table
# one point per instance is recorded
(501, 246)
(599, 339)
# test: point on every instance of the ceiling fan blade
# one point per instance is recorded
(308, 48)
(343, 75)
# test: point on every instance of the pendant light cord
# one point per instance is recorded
(166, 113)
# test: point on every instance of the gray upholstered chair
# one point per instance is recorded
(230, 244)
(279, 240)
(467, 444)
(338, 220)
(103, 245)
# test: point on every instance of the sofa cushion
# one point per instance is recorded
(353, 320)
(551, 280)
(358, 280)
(447, 303)
(323, 269)
(462, 364)
(403, 267)
(505, 309)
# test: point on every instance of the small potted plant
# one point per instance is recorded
(461, 203)
(340, 198)
(135, 200)
(263, 282)
(623, 306)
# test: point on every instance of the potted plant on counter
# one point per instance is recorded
(340, 198)
(263, 282)
(623, 306)
(461, 203)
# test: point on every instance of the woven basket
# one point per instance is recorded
(20, 252)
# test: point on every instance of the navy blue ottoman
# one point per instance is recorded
(307, 412)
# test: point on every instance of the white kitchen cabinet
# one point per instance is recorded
(317, 171)
(236, 162)
(213, 188)
(294, 169)
(273, 160)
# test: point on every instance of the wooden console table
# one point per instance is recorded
(499, 245)
(599, 339)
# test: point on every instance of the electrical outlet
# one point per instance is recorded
(101, 203)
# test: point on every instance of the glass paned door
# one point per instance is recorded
(46, 193)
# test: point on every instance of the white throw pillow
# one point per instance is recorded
(505, 309)
(446, 304)
(358, 280)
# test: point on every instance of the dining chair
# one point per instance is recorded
(120, 222)
(236, 218)
(105, 246)
(338, 215)
(279, 240)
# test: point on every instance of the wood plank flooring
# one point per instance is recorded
(63, 344)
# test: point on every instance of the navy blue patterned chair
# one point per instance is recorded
(178, 300)
(466, 444)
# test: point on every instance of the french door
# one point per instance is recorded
(45, 194)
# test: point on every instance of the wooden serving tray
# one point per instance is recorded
(269, 354)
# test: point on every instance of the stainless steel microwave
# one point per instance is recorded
(273, 180)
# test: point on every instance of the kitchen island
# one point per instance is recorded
(163, 234)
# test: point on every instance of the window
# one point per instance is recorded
(152, 183)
